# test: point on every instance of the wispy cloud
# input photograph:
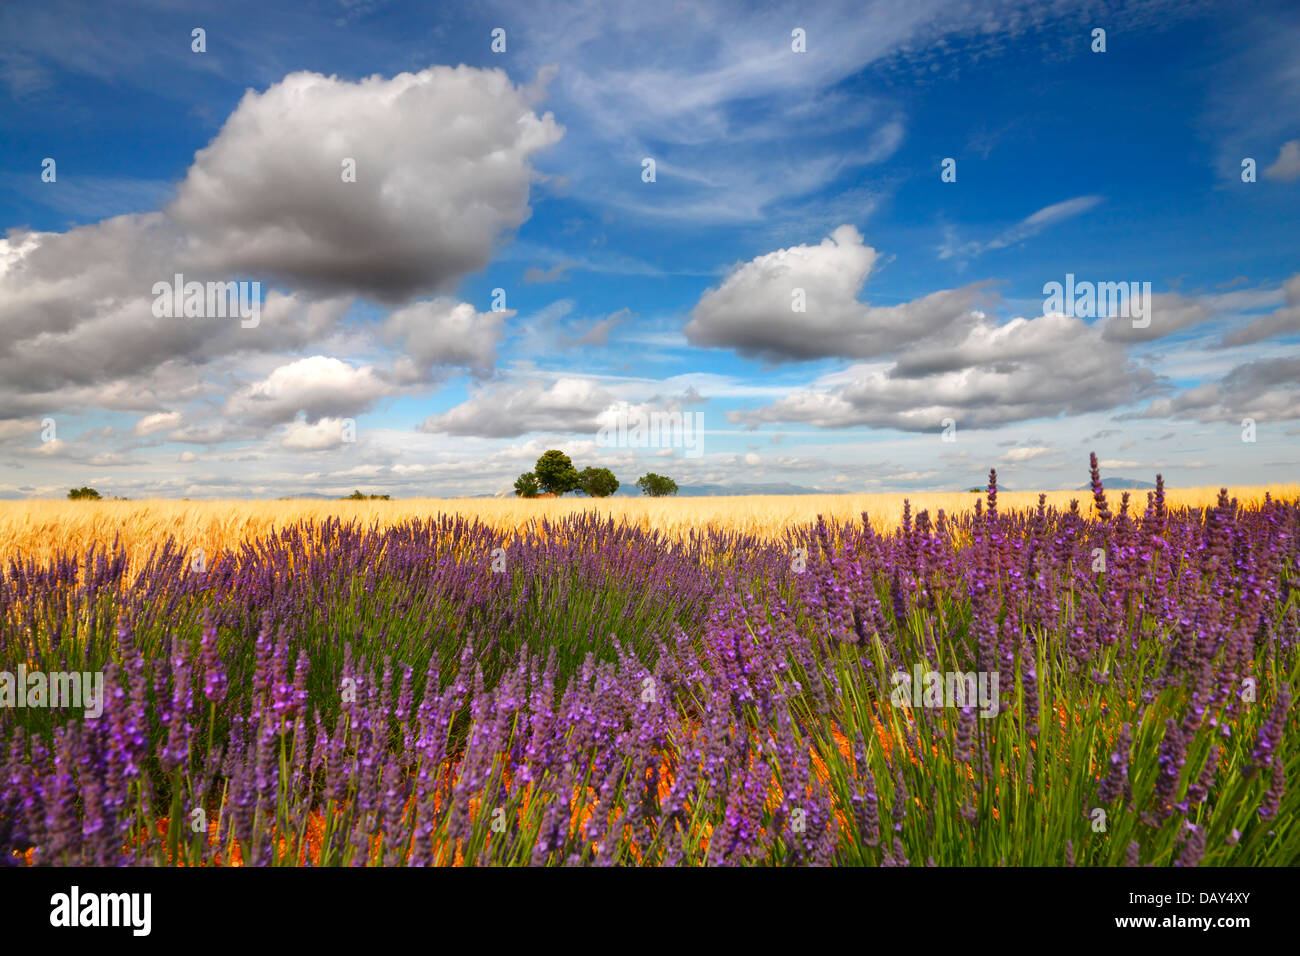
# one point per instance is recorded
(1026, 228)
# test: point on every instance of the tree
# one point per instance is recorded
(526, 485)
(598, 482)
(358, 496)
(555, 473)
(89, 494)
(656, 486)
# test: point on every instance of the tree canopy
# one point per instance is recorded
(598, 482)
(555, 473)
(656, 486)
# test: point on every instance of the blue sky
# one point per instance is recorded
(378, 361)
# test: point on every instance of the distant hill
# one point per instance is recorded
(1122, 484)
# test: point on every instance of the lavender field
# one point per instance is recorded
(433, 694)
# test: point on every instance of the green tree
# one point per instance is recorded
(84, 492)
(656, 486)
(598, 482)
(526, 485)
(555, 473)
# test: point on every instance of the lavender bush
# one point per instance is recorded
(588, 693)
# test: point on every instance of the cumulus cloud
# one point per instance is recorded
(752, 311)
(158, 422)
(511, 410)
(74, 307)
(54, 448)
(1267, 390)
(1170, 312)
(985, 345)
(441, 333)
(442, 169)
(318, 436)
(1284, 321)
(1027, 369)
(317, 387)
(442, 175)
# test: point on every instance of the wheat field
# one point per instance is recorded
(40, 528)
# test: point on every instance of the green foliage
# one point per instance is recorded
(358, 496)
(526, 485)
(555, 473)
(656, 486)
(84, 493)
(598, 482)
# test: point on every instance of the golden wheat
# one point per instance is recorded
(39, 529)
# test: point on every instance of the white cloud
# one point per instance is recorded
(318, 387)
(1266, 390)
(54, 448)
(442, 333)
(1026, 369)
(442, 169)
(511, 410)
(1169, 312)
(1029, 453)
(265, 201)
(158, 422)
(1284, 321)
(753, 312)
(324, 434)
